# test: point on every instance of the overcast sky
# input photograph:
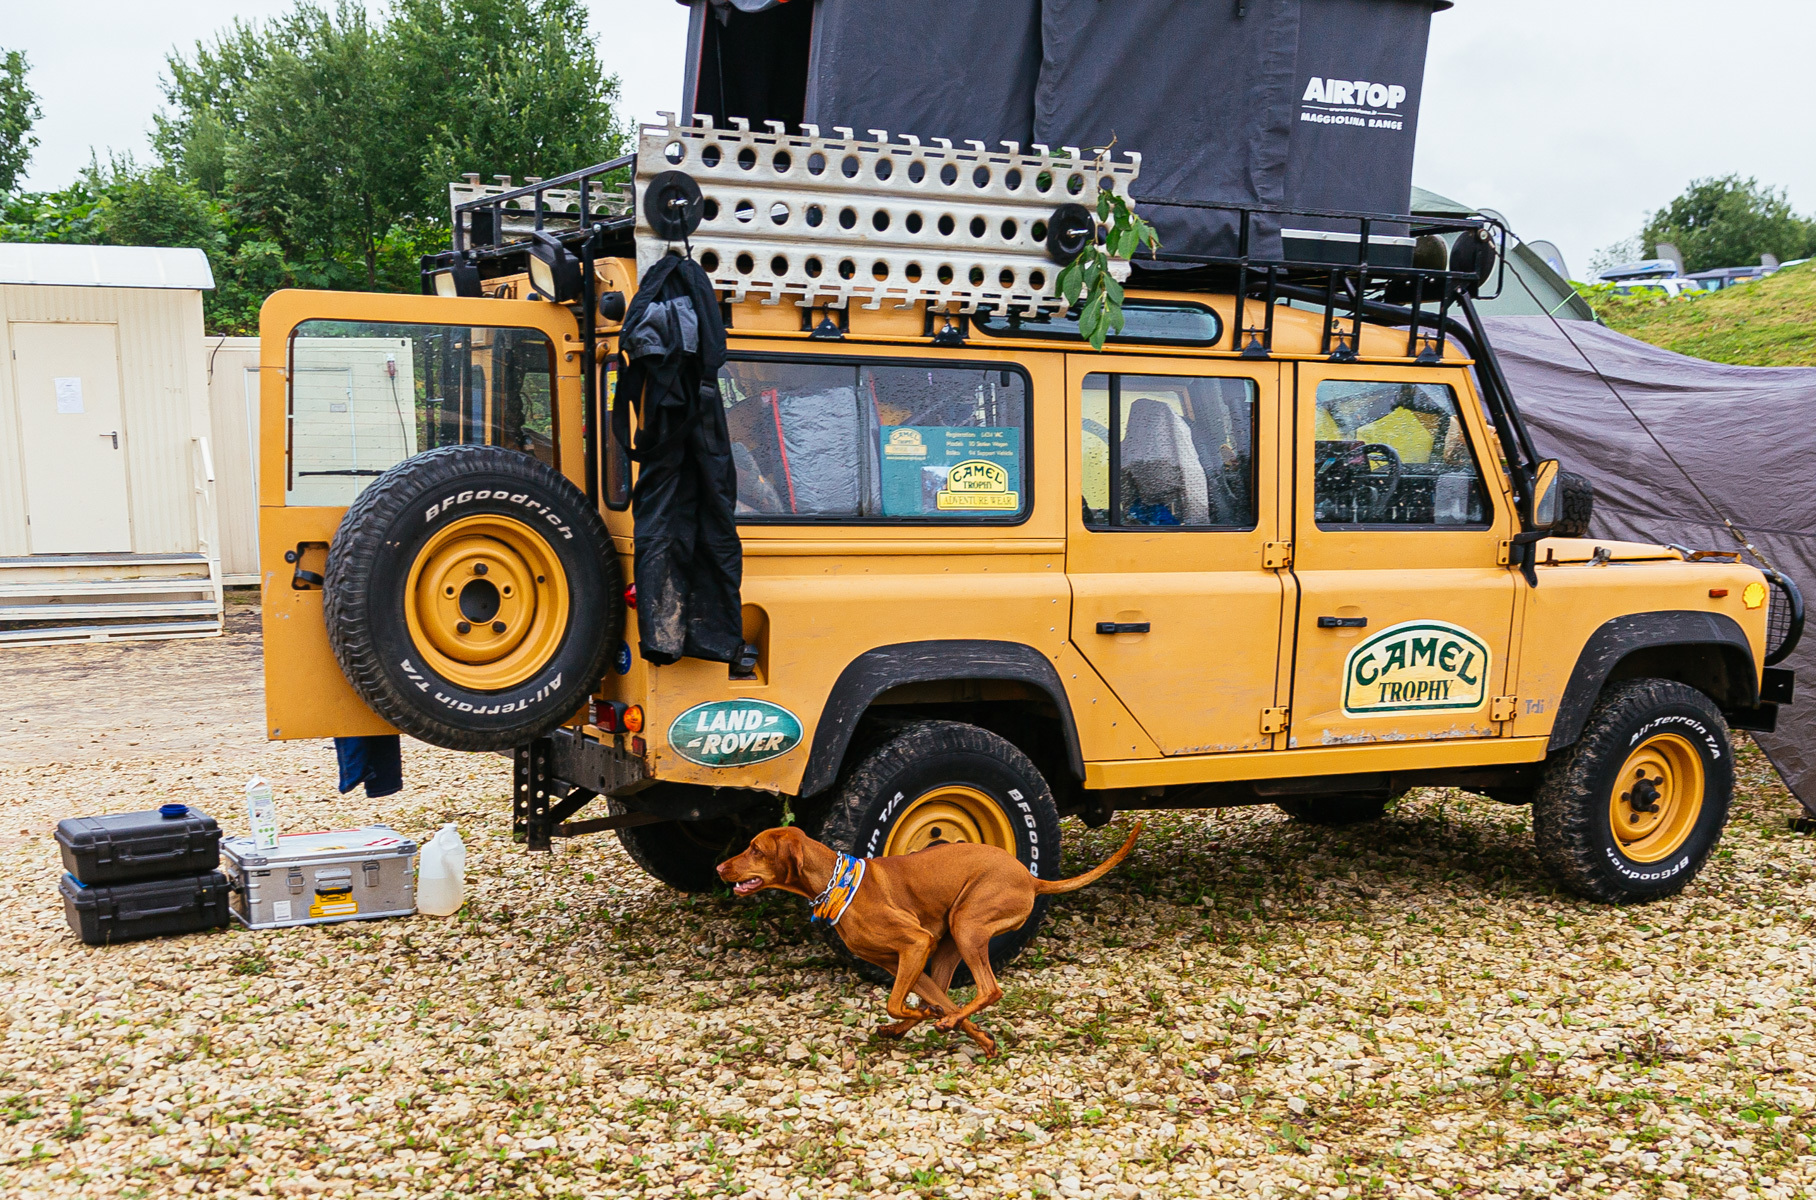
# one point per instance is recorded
(1571, 117)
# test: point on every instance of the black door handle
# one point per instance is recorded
(1342, 622)
(1122, 627)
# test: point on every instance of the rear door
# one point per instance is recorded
(351, 384)
(1175, 499)
(1405, 610)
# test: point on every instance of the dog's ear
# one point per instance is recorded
(789, 843)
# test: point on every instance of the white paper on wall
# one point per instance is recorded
(69, 394)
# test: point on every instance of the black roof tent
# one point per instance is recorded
(1299, 104)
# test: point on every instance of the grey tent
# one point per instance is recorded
(1678, 448)
(1301, 104)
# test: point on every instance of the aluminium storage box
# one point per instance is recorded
(316, 878)
(123, 912)
(122, 847)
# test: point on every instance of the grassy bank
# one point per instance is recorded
(1771, 323)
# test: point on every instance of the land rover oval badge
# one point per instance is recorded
(734, 733)
(1416, 666)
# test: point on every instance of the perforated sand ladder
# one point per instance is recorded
(824, 221)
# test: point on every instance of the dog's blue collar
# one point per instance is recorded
(831, 904)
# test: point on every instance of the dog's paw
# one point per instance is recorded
(899, 1028)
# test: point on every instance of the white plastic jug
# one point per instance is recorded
(441, 874)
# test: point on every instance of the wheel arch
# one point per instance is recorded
(871, 674)
(1706, 651)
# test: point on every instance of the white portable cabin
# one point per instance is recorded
(108, 526)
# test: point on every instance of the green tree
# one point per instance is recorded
(1729, 222)
(19, 111)
(338, 135)
(502, 87)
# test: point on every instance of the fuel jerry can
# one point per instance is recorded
(317, 878)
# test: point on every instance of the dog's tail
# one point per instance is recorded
(1045, 887)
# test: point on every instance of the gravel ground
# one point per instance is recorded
(1249, 1007)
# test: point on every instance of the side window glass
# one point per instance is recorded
(877, 442)
(365, 395)
(1395, 455)
(1168, 451)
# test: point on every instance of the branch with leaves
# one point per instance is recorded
(1088, 276)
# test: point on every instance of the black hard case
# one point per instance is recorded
(125, 912)
(123, 847)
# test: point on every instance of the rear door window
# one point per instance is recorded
(366, 395)
(831, 440)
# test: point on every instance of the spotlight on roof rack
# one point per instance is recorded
(554, 271)
(459, 278)
(1474, 254)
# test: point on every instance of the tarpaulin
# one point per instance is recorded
(689, 562)
(1695, 445)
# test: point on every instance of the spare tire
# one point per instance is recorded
(472, 597)
(1576, 504)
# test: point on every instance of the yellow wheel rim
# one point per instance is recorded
(951, 813)
(1657, 797)
(486, 603)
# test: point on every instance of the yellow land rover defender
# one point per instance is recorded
(1282, 540)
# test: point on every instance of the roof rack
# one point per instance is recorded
(822, 221)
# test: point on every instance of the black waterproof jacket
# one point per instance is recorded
(689, 564)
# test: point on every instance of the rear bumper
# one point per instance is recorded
(598, 766)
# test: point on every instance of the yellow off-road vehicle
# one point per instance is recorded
(1283, 540)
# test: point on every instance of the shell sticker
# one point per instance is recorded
(734, 733)
(1416, 666)
(1755, 595)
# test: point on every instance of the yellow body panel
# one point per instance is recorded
(1235, 680)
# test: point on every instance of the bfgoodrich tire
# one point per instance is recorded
(1635, 808)
(1576, 505)
(472, 598)
(943, 781)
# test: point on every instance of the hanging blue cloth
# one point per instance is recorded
(377, 762)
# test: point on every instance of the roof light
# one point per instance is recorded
(554, 271)
(459, 279)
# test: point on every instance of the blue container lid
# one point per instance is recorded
(173, 810)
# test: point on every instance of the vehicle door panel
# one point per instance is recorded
(1405, 610)
(1172, 605)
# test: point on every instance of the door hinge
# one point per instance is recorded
(1275, 555)
(1273, 720)
(1504, 555)
(1504, 708)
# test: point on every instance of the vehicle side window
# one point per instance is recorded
(831, 440)
(1183, 455)
(365, 395)
(1394, 455)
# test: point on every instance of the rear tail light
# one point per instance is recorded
(631, 719)
(638, 747)
(611, 716)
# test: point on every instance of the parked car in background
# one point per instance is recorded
(1650, 268)
(1677, 287)
(1726, 277)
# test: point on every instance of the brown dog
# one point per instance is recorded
(916, 915)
